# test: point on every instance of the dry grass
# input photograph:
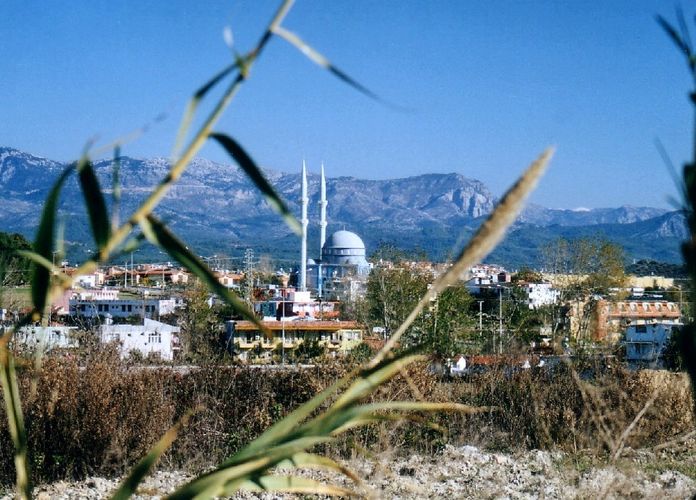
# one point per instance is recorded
(100, 418)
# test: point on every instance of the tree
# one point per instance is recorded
(308, 351)
(440, 330)
(14, 269)
(528, 275)
(201, 334)
(585, 266)
(452, 324)
(391, 295)
(391, 253)
(584, 269)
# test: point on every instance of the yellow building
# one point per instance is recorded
(336, 336)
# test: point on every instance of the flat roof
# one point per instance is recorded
(299, 325)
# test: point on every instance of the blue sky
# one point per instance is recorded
(487, 85)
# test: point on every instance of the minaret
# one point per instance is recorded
(322, 205)
(322, 226)
(304, 221)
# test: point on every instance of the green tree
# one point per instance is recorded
(201, 328)
(391, 295)
(452, 325)
(441, 330)
(522, 324)
(14, 269)
(391, 253)
(309, 350)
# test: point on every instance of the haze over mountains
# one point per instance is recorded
(215, 209)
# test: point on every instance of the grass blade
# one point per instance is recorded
(44, 262)
(282, 428)
(304, 459)
(43, 245)
(15, 419)
(116, 188)
(685, 35)
(356, 416)
(193, 105)
(369, 381)
(291, 484)
(182, 160)
(254, 172)
(672, 33)
(214, 483)
(158, 234)
(687, 346)
(218, 481)
(129, 485)
(94, 202)
(484, 240)
(322, 61)
(423, 406)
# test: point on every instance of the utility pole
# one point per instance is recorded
(249, 271)
(500, 319)
(480, 302)
(132, 271)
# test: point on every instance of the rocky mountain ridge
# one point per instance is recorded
(216, 208)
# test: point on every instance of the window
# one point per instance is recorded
(130, 308)
(641, 329)
(154, 337)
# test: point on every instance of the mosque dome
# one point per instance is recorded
(344, 247)
(344, 239)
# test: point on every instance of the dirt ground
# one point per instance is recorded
(468, 472)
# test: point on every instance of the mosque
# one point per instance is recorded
(342, 254)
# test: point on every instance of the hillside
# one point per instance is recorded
(217, 210)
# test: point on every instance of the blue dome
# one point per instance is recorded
(344, 248)
(344, 239)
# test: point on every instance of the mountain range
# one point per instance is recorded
(217, 210)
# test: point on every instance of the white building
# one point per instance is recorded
(646, 341)
(121, 308)
(149, 339)
(540, 294)
(46, 338)
(96, 294)
(92, 280)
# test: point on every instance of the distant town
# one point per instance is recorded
(339, 302)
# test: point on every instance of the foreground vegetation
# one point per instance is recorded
(101, 418)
